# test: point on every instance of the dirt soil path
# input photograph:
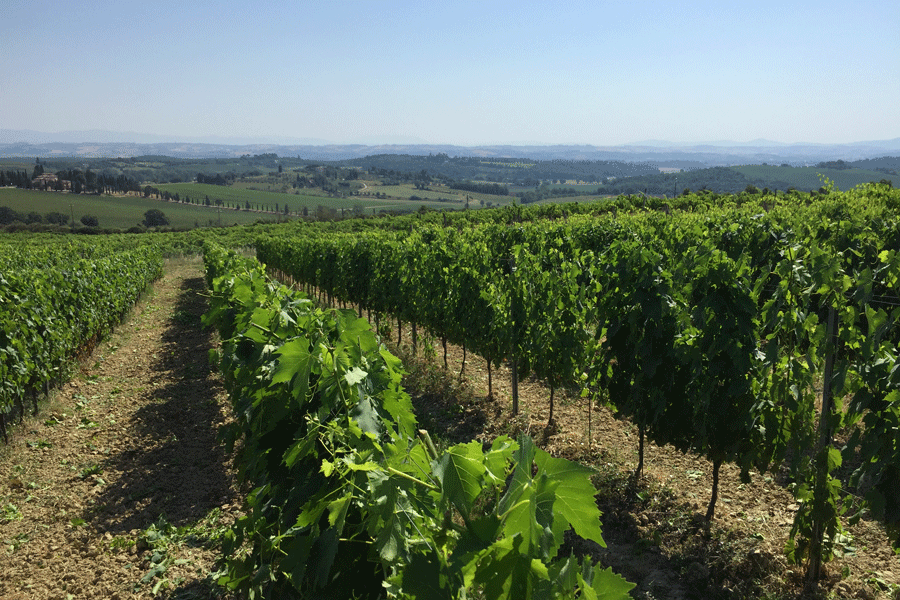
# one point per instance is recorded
(118, 489)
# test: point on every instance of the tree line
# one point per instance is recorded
(216, 179)
(495, 189)
(8, 216)
(544, 191)
(79, 182)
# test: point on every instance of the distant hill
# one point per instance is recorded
(98, 143)
(102, 136)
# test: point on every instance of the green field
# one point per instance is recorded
(275, 188)
(296, 201)
(236, 195)
(122, 212)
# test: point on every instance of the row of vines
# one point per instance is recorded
(748, 333)
(348, 499)
(56, 300)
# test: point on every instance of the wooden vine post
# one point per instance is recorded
(820, 497)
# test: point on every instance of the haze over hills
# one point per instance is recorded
(102, 136)
(102, 143)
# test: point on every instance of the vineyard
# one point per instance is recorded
(749, 334)
(757, 332)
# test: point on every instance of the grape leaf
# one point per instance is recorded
(355, 375)
(460, 471)
(574, 496)
(293, 360)
(605, 585)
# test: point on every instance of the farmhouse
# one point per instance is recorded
(49, 181)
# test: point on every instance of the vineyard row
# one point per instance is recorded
(348, 499)
(55, 303)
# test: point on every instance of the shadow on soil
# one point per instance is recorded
(185, 474)
(668, 548)
(442, 403)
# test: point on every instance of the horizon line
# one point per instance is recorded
(378, 140)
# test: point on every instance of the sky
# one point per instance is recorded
(466, 73)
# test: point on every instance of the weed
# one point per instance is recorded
(86, 423)
(17, 541)
(161, 538)
(121, 543)
(10, 512)
(877, 580)
(90, 470)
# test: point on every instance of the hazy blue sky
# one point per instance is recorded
(600, 72)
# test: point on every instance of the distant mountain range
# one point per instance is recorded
(100, 143)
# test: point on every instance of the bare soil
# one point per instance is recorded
(118, 487)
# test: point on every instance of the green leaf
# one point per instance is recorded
(389, 513)
(497, 460)
(523, 458)
(293, 361)
(574, 495)
(480, 534)
(366, 416)
(398, 405)
(414, 461)
(393, 363)
(461, 471)
(531, 517)
(359, 331)
(366, 466)
(355, 376)
(305, 446)
(527, 508)
(605, 585)
(422, 578)
(506, 570)
(390, 538)
(337, 509)
(834, 459)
